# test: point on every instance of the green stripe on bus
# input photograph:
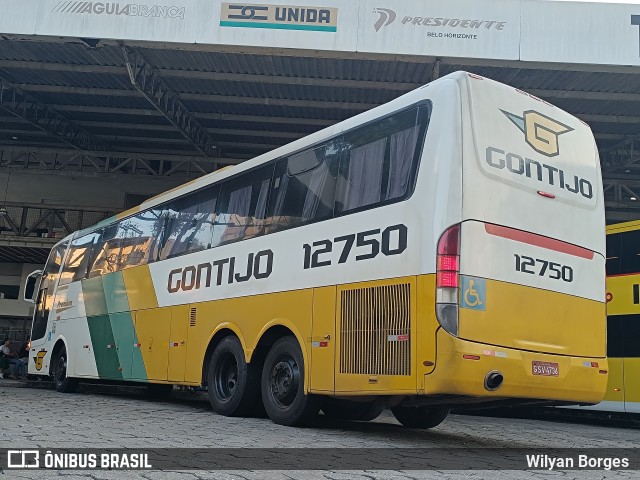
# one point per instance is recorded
(123, 328)
(279, 26)
(125, 337)
(115, 293)
(104, 347)
(93, 296)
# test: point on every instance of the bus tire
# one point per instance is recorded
(336, 409)
(283, 385)
(233, 384)
(158, 391)
(63, 383)
(420, 417)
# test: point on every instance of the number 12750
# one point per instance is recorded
(543, 268)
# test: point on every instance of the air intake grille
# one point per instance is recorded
(375, 330)
(192, 317)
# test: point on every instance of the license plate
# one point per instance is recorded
(548, 369)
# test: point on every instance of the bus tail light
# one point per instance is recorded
(448, 279)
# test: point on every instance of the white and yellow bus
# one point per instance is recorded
(623, 321)
(446, 248)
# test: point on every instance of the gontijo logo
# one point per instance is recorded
(540, 132)
(279, 17)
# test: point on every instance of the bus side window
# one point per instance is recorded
(140, 236)
(106, 256)
(242, 207)
(78, 259)
(303, 188)
(379, 161)
(614, 336)
(188, 223)
(629, 252)
(631, 336)
(613, 254)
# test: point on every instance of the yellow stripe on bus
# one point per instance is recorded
(127, 213)
(623, 227)
(140, 289)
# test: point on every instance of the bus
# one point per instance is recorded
(443, 249)
(623, 320)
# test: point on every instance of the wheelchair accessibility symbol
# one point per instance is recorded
(473, 293)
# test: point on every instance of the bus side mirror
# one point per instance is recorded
(30, 286)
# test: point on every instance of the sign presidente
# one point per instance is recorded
(387, 17)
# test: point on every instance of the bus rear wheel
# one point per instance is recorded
(63, 383)
(283, 385)
(233, 384)
(420, 417)
(336, 409)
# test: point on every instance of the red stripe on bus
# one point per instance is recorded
(538, 241)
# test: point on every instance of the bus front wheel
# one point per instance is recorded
(233, 384)
(420, 417)
(283, 385)
(63, 383)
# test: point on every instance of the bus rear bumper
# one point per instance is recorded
(463, 367)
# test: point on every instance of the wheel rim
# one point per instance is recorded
(61, 370)
(285, 380)
(226, 377)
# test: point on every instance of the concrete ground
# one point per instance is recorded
(101, 418)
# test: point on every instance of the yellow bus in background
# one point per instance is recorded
(623, 318)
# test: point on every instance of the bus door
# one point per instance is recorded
(178, 341)
(623, 350)
(615, 394)
(323, 340)
(153, 328)
(45, 297)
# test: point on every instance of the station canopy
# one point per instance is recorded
(182, 87)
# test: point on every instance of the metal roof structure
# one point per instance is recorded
(144, 108)
(251, 102)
